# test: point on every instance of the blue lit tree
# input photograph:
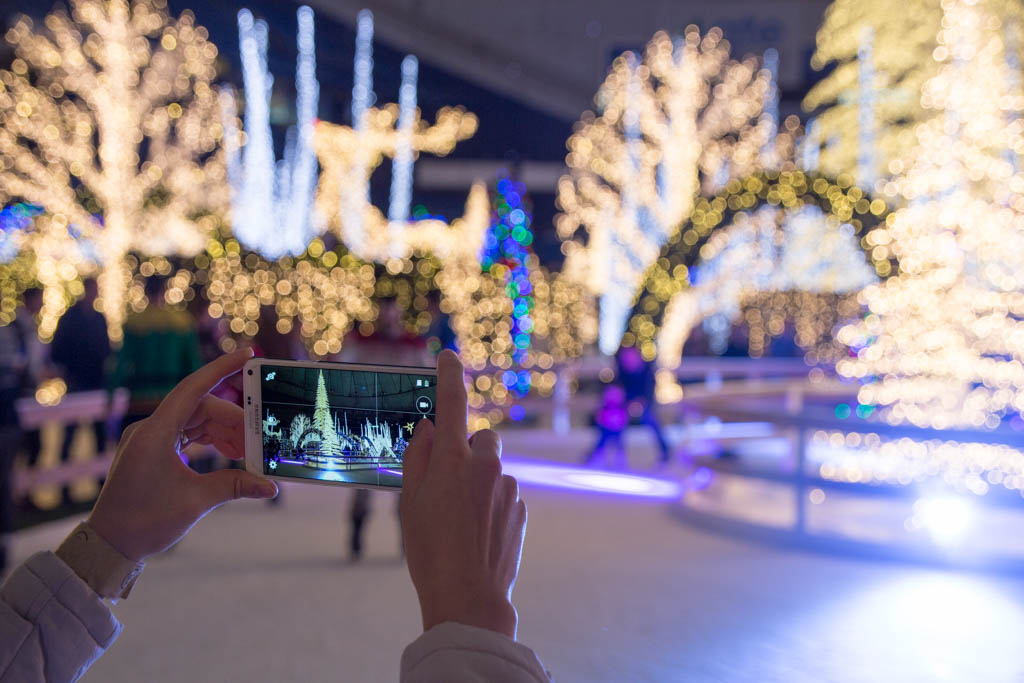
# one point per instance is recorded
(507, 254)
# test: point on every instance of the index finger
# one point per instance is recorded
(178, 406)
(452, 411)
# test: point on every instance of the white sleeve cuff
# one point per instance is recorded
(456, 653)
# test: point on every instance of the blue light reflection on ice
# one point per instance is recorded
(556, 475)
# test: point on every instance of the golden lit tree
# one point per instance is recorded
(348, 157)
(943, 344)
(685, 118)
(899, 40)
(110, 125)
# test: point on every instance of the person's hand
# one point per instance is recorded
(462, 520)
(151, 498)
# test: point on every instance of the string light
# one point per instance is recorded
(943, 344)
(778, 247)
(963, 467)
(679, 121)
(272, 201)
(110, 126)
(323, 292)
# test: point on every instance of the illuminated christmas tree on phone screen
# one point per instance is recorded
(341, 425)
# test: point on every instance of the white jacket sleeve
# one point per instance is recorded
(53, 626)
(455, 653)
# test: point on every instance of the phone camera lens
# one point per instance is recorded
(250, 372)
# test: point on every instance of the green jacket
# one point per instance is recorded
(160, 348)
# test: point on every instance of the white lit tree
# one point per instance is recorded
(110, 124)
(683, 119)
(298, 428)
(943, 344)
(899, 40)
(322, 420)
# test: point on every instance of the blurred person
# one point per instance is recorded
(210, 331)
(390, 344)
(440, 325)
(80, 343)
(35, 366)
(37, 354)
(160, 347)
(612, 419)
(270, 342)
(464, 526)
(636, 376)
(80, 351)
(12, 364)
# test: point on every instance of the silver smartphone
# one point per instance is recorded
(333, 423)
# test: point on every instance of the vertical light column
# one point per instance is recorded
(621, 258)
(271, 202)
(362, 88)
(769, 153)
(253, 182)
(1010, 48)
(810, 146)
(297, 191)
(401, 165)
(355, 194)
(867, 158)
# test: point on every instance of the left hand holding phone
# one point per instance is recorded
(151, 498)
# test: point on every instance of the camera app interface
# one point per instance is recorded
(341, 425)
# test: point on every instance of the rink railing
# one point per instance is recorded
(786, 499)
(60, 422)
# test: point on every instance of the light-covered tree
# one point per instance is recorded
(943, 345)
(110, 124)
(900, 40)
(684, 118)
(299, 426)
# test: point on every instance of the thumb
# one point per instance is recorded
(224, 485)
(417, 457)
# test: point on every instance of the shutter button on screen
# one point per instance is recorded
(424, 404)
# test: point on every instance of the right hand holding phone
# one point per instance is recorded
(462, 520)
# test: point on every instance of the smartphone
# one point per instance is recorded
(333, 423)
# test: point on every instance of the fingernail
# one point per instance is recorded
(267, 489)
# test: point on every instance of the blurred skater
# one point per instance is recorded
(636, 376)
(611, 419)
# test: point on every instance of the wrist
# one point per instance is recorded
(100, 565)
(497, 614)
(114, 533)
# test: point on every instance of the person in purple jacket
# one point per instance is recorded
(54, 622)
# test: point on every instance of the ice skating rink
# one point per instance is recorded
(612, 588)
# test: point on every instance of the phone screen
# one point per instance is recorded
(335, 424)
